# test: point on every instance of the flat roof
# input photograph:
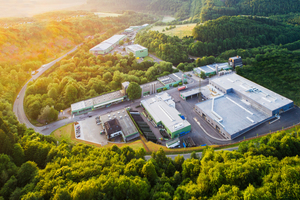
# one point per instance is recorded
(127, 126)
(191, 92)
(232, 113)
(162, 109)
(212, 68)
(257, 93)
(109, 97)
(108, 43)
(171, 78)
(147, 86)
(136, 47)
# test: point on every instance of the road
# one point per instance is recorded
(188, 155)
(19, 102)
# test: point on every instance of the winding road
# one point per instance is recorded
(18, 107)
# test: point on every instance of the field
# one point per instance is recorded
(180, 30)
(167, 19)
(102, 14)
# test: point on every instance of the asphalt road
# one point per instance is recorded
(188, 155)
(19, 102)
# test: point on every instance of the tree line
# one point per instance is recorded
(37, 167)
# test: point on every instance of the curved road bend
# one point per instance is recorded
(18, 104)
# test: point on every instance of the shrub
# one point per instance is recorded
(159, 90)
(164, 89)
(175, 85)
(180, 83)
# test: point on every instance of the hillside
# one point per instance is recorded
(232, 32)
(201, 10)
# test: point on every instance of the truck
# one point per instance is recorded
(182, 88)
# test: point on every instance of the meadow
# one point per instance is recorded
(180, 30)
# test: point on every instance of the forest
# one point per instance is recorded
(37, 167)
(83, 75)
(26, 46)
(171, 49)
(202, 10)
(227, 33)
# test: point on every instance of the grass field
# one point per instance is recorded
(167, 19)
(180, 30)
(148, 58)
(101, 14)
(64, 133)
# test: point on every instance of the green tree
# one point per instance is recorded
(149, 172)
(202, 75)
(134, 91)
(18, 154)
(48, 114)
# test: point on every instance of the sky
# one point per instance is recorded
(28, 8)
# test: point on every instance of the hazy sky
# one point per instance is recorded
(27, 8)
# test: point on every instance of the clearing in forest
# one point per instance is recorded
(167, 19)
(102, 14)
(180, 30)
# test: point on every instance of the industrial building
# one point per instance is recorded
(107, 45)
(172, 79)
(212, 69)
(138, 50)
(235, 61)
(236, 105)
(102, 101)
(119, 123)
(129, 30)
(161, 110)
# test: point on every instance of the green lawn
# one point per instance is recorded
(167, 19)
(180, 30)
(64, 133)
(148, 58)
(101, 14)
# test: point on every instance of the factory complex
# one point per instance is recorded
(235, 105)
(161, 109)
(108, 45)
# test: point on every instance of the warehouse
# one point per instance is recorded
(239, 105)
(161, 109)
(138, 50)
(107, 45)
(102, 101)
(119, 123)
(211, 69)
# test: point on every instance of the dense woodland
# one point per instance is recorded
(168, 48)
(201, 10)
(36, 167)
(226, 33)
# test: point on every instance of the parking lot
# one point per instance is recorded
(90, 131)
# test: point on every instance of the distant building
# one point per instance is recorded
(129, 30)
(137, 50)
(161, 109)
(236, 105)
(235, 61)
(107, 45)
(119, 123)
(211, 69)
